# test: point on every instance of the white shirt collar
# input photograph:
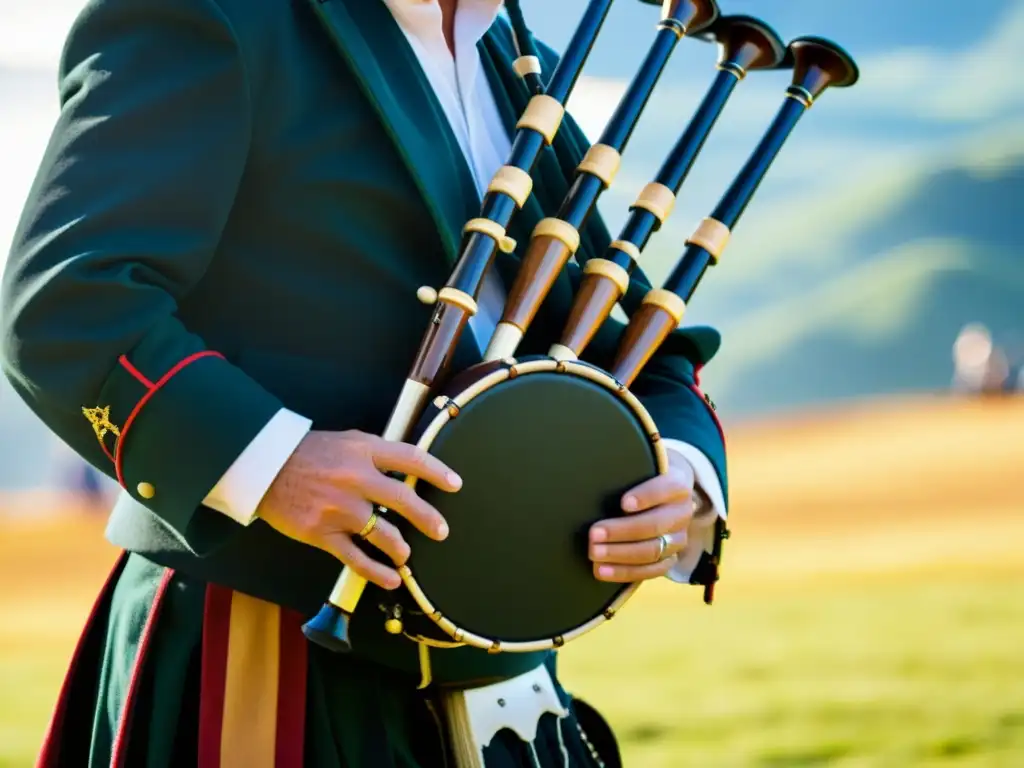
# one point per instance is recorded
(422, 19)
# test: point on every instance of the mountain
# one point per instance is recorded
(946, 252)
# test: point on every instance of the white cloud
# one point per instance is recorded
(973, 85)
(32, 33)
(924, 84)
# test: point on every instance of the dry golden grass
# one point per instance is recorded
(871, 613)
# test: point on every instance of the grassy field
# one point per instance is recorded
(871, 614)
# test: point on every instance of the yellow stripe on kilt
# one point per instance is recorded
(249, 729)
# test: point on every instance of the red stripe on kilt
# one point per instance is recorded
(291, 693)
(49, 753)
(119, 751)
(216, 627)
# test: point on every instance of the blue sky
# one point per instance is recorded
(867, 26)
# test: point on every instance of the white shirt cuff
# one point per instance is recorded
(242, 488)
(701, 533)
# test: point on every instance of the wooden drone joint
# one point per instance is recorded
(668, 301)
(494, 230)
(657, 199)
(801, 94)
(732, 68)
(544, 115)
(560, 230)
(527, 65)
(675, 25)
(609, 270)
(514, 182)
(458, 298)
(601, 161)
(711, 235)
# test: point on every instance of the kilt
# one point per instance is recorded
(174, 672)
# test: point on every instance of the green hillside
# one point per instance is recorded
(943, 251)
(884, 327)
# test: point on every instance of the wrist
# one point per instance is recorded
(243, 489)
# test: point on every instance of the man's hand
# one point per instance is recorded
(628, 549)
(326, 492)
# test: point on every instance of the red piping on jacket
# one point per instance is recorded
(152, 389)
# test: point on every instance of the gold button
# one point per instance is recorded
(146, 490)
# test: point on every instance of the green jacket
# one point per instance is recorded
(231, 218)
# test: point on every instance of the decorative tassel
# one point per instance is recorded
(460, 731)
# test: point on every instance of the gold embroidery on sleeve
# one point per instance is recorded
(100, 420)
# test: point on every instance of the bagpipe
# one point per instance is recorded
(513, 575)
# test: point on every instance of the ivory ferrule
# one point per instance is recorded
(494, 230)
(544, 115)
(407, 409)
(603, 162)
(626, 247)
(458, 298)
(347, 591)
(527, 65)
(667, 301)
(560, 230)
(514, 182)
(610, 271)
(711, 235)
(561, 353)
(504, 342)
(658, 199)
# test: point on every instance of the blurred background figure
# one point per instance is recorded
(980, 366)
(86, 489)
(90, 488)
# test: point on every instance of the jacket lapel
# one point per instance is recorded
(370, 42)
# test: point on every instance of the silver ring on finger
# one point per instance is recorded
(664, 542)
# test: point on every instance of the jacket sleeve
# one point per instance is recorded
(122, 222)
